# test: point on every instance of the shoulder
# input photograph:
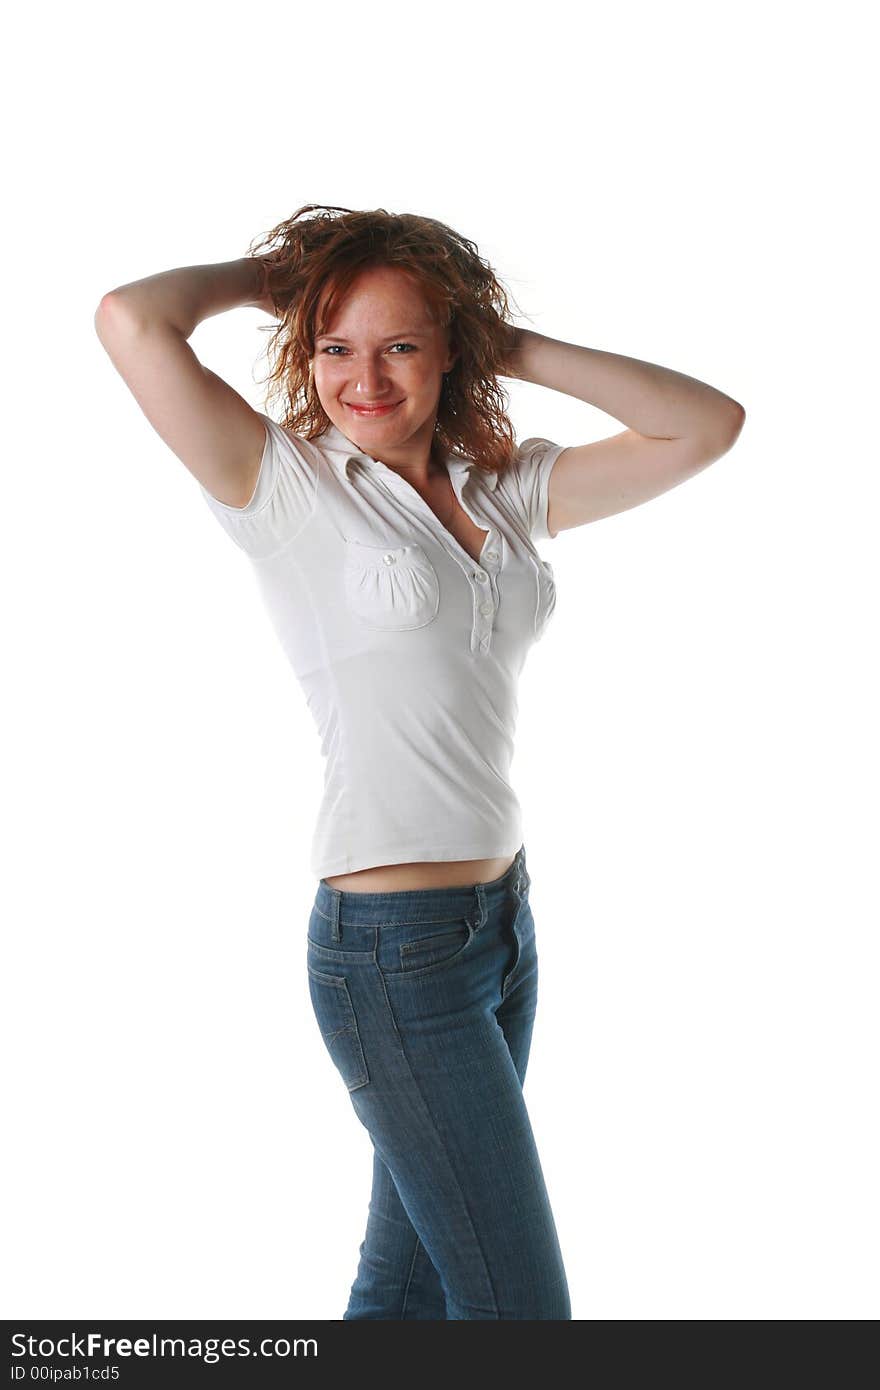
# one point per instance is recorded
(291, 445)
(526, 480)
(284, 497)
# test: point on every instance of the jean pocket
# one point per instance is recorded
(391, 587)
(433, 946)
(331, 1002)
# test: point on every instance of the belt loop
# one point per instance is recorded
(335, 900)
(482, 910)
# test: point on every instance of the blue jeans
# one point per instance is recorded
(426, 999)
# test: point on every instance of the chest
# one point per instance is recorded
(379, 573)
(452, 517)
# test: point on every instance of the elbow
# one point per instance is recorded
(106, 303)
(114, 314)
(729, 428)
(739, 419)
(105, 311)
(716, 439)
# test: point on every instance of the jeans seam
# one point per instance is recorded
(409, 1277)
(444, 1146)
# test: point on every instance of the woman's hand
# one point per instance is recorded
(512, 339)
(263, 298)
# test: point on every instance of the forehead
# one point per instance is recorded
(378, 296)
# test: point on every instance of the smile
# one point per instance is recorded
(370, 410)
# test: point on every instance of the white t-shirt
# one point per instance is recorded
(407, 651)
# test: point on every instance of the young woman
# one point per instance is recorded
(392, 518)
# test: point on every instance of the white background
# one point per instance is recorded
(697, 751)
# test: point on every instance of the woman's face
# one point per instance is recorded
(382, 348)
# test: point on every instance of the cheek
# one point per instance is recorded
(327, 377)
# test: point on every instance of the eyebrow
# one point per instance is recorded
(393, 337)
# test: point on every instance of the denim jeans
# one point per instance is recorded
(426, 999)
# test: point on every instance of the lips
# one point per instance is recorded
(371, 411)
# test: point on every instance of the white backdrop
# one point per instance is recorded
(697, 752)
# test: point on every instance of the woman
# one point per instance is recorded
(391, 521)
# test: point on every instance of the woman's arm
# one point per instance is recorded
(677, 426)
(182, 298)
(656, 402)
(144, 326)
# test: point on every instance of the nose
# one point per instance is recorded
(372, 381)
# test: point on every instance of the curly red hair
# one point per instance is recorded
(309, 262)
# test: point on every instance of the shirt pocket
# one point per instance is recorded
(391, 587)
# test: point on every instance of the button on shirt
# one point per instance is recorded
(408, 652)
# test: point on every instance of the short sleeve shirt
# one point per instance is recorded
(408, 651)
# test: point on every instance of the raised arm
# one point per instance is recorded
(144, 326)
(677, 426)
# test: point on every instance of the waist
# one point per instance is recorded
(391, 887)
(396, 878)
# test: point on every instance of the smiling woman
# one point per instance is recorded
(430, 299)
(370, 378)
(391, 519)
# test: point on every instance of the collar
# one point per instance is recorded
(334, 441)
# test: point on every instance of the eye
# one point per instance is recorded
(333, 346)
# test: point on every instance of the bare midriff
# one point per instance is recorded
(393, 878)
